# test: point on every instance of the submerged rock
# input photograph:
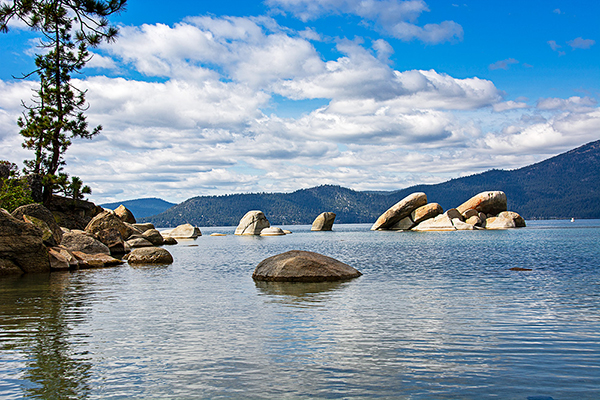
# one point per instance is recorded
(272, 231)
(303, 266)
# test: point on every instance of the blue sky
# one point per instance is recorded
(202, 98)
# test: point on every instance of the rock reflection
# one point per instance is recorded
(300, 294)
(38, 314)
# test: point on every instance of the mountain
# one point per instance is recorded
(142, 207)
(564, 186)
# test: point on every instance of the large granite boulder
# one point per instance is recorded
(125, 215)
(84, 242)
(112, 238)
(252, 223)
(21, 246)
(323, 222)
(150, 255)
(442, 222)
(185, 231)
(486, 202)
(107, 220)
(303, 266)
(40, 212)
(400, 210)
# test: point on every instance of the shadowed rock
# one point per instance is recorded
(21, 246)
(40, 212)
(85, 243)
(303, 266)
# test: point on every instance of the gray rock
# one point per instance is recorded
(83, 242)
(272, 231)
(323, 222)
(185, 231)
(150, 255)
(404, 224)
(139, 242)
(439, 223)
(400, 210)
(252, 223)
(106, 220)
(303, 266)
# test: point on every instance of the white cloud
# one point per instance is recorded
(393, 17)
(575, 103)
(509, 105)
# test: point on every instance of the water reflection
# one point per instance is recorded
(299, 294)
(38, 315)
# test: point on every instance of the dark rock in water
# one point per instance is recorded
(520, 269)
(112, 238)
(150, 255)
(154, 237)
(21, 246)
(303, 266)
(169, 241)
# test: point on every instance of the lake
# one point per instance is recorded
(436, 315)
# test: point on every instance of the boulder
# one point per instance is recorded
(272, 231)
(427, 211)
(185, 231)
(21, 245)
(453, 213)
(474, 220)
(303, 266)
(169, 241)
(404, 224)
(462, 226)
(112, 238)
(124, 214)
(7, 267)
(47, 235)
(154, 237)
(519, 221)
(107, 220)
(400, 210)
(144, 227)
(440, 223)
(139, 242)
(83, 242)
(505, 220)
(252, 223)
(87, 261)
(486, 202)
(61, 259)
(40, 212)
(323, 222)
(72, 214)
(150, 255)
(470, 213)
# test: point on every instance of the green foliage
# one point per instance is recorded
(56, 115)
(14, 190)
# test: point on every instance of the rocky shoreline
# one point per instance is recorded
(79, 235)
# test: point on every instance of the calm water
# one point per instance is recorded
(435, 316)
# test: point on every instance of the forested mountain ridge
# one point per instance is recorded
(564, 186)
(142, 207)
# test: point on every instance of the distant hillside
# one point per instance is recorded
(142, 207)
(564, 186)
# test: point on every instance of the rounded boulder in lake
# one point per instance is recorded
(303, 266)
(150, 255)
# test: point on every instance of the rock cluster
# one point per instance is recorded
(31, 240)
(256, 223)
(486, 210)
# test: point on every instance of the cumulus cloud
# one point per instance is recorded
(396, 18)
(509, 105)
(575, 103)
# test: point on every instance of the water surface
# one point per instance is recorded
(436, 315)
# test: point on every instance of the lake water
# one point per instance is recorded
(436, 315)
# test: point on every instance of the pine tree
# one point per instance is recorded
(56, 115)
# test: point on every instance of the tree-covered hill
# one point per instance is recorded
(564, 186)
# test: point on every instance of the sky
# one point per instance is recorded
(210, 98)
